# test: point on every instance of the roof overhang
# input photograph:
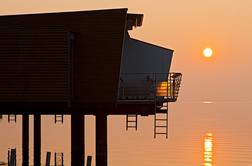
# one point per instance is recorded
(134, 20)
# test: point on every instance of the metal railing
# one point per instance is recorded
(146, 86)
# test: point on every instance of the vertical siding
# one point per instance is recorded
(33, 65)
(97, 50)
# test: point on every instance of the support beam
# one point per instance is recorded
(101, 140)
(37, 139)
(77, 139)
(25, 139)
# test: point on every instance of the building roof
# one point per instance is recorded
(133, 20)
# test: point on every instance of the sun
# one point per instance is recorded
(207, 52)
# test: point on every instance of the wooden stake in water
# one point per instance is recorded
(48, 158)
(12, 157)
(89, 160)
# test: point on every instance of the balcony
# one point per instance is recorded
(149, 88)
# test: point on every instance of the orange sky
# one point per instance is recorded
(186, 27)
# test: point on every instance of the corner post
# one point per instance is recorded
(101, 140)
(77, 139)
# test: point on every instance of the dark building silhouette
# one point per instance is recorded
(82, 63)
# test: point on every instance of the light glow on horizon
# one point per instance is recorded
(207, 102)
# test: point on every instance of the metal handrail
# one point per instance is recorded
(149, 86)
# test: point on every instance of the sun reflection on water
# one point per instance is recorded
(208, 149)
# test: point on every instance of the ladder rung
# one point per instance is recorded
(160, 133)
(132, 118)
(161, 119)
(12, 118)
(131, 121)
(161, 112)
(59, 118)
(161, 126)
(131, 126)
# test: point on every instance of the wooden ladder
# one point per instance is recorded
(161, 121)
(12, 118)
(58, 118)
(131, 121)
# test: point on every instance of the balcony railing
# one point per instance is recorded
(149, 87)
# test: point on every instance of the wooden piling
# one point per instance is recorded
(89, 160)
(37, 139)
(101, 140)
(77, 139)
(25, 139)
(48, 158)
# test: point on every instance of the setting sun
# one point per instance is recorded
(207, 52)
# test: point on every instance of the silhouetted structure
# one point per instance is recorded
(81, 63)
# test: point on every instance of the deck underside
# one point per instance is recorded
(146, 107)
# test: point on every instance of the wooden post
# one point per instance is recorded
(101, 140)
(48, 158)
(77, 139)
(62, 159)
(37, 139)
(89, 160)
(13, 161)
(25, 139)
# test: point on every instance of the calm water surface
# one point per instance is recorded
(229, 122)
